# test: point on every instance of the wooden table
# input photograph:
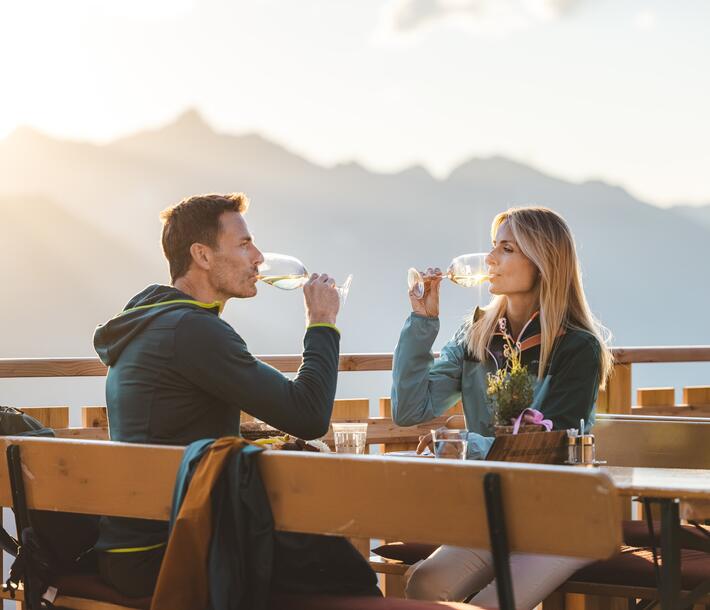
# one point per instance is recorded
(681, 493)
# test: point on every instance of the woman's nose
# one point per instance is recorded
(489, 260)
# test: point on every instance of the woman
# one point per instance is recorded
(537, 288)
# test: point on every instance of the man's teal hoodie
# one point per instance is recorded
(179, 373)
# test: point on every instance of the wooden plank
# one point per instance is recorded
(696, 396)
(365, 362)
(619, 389)
(93, 434)
(647, 443)
(629, 355)
(357, 496)
(399, 444)
(655, 397)
(52, 417)
(93, 367)
(634, 416)
(95, 477)
(349, 409)
(51, 367)
(380, 430)
(687, 485)
(94, 417)
(602, 405)
(340, 496)
(684, 411)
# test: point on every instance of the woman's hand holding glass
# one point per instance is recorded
(428, 303)
(467, 270)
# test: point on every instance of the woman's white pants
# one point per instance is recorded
(453, 573)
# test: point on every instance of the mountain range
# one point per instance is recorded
(80, 234)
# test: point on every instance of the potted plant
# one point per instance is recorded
(510, 389)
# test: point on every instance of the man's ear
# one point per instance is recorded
(201, 256)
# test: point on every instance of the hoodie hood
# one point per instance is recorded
(112, 337)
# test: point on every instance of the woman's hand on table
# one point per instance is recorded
(428, 305)
(424, 442)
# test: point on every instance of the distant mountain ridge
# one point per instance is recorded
(344, 219)
(696, 213)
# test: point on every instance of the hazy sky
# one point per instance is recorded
(610, 89)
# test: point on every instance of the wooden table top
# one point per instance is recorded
(684, 484)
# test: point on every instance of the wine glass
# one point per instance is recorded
(288, 273)
(467, 270)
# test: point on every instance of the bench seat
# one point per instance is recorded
(635, 534)
(631, 573)
(88, 592)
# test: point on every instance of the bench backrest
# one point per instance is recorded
(663, 442)
(548, 509)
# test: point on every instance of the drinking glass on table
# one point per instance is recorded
(288, 273)
(467, 270)
(450, 444)
(349, 437)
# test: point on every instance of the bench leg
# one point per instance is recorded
(555, 601)
(393, 585)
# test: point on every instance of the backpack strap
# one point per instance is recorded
(30, 566)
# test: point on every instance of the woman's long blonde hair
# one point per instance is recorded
(544, 237)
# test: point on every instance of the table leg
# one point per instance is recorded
(670, 554)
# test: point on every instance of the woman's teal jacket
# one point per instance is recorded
(424, 387)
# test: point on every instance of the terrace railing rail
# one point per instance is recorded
(616, 399)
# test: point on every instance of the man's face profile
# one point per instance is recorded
(236, 259)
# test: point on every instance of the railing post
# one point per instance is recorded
(618, 390)
(94, 417)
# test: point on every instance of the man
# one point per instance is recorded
(178, 373)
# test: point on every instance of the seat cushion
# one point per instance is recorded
(92, 587)
(407, 552)
(332, 602)
(633, 567)
(636, 534)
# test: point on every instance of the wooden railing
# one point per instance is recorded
(616, 399)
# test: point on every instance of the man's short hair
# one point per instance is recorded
(195, 220)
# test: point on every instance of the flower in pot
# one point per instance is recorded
(510, 389)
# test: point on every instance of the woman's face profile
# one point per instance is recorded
(511, 271)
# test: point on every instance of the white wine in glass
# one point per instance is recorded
(467, 270)
(288, 273)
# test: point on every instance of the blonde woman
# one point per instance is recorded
(537, 289)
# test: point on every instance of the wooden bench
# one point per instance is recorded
(652, 442)
(622, 440)
(357, 496)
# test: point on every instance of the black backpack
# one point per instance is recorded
(48, 543)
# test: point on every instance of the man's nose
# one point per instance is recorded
(259, 257)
